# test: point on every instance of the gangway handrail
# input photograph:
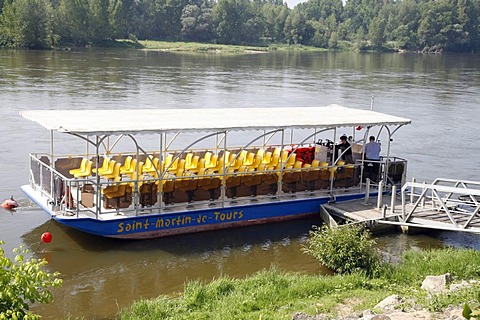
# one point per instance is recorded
(442, 202)
(475, 192)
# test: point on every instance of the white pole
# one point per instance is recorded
(424, 196)
(412, 192)
(380, 194)
(394, 195)
(367, 191)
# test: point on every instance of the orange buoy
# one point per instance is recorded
(46, 237)
(10, 204)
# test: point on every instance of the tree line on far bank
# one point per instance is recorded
(414, 25)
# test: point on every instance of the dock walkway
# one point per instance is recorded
(446, 204)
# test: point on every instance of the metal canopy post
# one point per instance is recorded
(97, 176)
(160, 175)
(52, 165)
(224, 180)
(334, 162)
(279, 181)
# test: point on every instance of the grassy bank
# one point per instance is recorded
(272, 294)
(209, 48)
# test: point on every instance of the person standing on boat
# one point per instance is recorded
(372, 159)
(345, 149)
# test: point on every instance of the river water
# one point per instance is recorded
(440, 93)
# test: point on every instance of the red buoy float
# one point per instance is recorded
(46, 237)
(10, 204)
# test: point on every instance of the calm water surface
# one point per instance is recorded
(440, 93)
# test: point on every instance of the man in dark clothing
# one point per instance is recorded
(345, 146)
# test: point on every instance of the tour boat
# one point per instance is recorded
(146, 173)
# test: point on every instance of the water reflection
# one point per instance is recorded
(98, 271)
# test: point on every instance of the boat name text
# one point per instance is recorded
(178, 221)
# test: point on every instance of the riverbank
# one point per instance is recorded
(198, 47)
(272, 294)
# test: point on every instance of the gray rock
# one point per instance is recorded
(436, 284)
(389, 303)
(380, 317)
(304, 316)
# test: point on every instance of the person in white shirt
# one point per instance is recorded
(372, 156)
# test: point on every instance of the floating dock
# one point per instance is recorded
(445, 204)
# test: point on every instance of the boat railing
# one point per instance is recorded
(78, 193)
(55, 186)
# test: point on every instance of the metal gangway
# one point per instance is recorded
(445, 204)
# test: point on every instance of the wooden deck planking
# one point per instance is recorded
(359, 211)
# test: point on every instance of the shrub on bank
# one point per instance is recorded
(346, 249)
(22, 283)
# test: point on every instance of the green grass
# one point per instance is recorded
(199, 47)
(196, 47)
(272, 294)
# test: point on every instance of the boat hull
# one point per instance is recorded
(150, 225)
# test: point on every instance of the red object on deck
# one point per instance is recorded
(305, 154)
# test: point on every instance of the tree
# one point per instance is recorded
(73, 22)
(26, 23)
(120, 14)
(197, 23)
(236, 23)
(274, 16)
(100, 28)
(297, 30)
(404, 28)
(23, 282)
(376, 32)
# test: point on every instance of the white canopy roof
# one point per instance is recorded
(98, 122)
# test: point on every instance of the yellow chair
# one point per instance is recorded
(81, 168)
(289, 160)
(275, 163)
(126, 165)
(104, 167)
(238, 163)
(85, 173)
(200, 165)
(115, 173)
(212, 161)
(267, 157)
(178, 164)
(207, 156)
(150, 165)
(261, 153)
(226, 156)
(188, 159)
(109, 170)
(217, 168)
(113, 187)
(167, 161)
(133, 168)
(193, 163)
(135, 176)
(256, 163)
(174, 166)
(249, 159)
